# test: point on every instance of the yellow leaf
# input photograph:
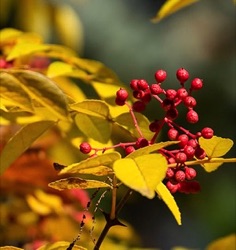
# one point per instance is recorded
(216, 146)
(227, 243)
(59, 68)
(99, 171)
(38, 206)
(10, 248)
(142, 173)
(105, 90)
(76, 182)
(9, 34)
(100, 160)
(209, 167)
(169, 200)
(59, 245)
(170, 7)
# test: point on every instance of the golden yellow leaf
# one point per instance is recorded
(9, 34)
(11, 248)
(38, 206)
(227, 243)
(142, 173)
(169, 200)
(76, 182)
(59, 245)
(105, 90)
(209, 167)
(170, 7)
(59, 68)
(216, 146)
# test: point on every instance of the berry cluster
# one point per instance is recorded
(179, 176)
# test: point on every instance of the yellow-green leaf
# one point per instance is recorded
(11, 90)
(76, 182)
(59, 68)
(227, 243)
(59, 245)
(169, 200)
(97, 161)
(142, 173)
(127, 122)
(44, 90)
(216, 146)
(151, 148)
(21, 141)
(170, 7)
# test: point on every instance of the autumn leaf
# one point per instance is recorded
(142, 173)
(59, 245)
(226, 243)
(10, 248)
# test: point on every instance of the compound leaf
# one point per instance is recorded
(76, 182)
(142, 173)
(169, 200)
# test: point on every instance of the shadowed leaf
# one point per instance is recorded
(226, 243)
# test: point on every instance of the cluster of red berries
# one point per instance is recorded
(180, 177)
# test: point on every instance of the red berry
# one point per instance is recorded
(200, 153)
(134, 84)
(139, 106)
(196, 84)
(167, 104)
(171, 94)
(207, 133)
(181, 157)
(182, 75)
(182, 93)
(146, 98)
(173, 188)
(170, 173)
(160, 75)
(190, 102)
(183, 140)
(190, 173)
(171, 160)
(193, 143)
(138, 94)
(172, 134)
(180, 176)
(154, 126)
(172, 113)
(119, 102)
(3, 63)
(141, 142)
(85, 148)
(156, 89)
(192, 116)
(142, 84)
(122, 94)
(189, 151)
(129, 150)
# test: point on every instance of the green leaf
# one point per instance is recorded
(21, 141)
(44, 90)
(11, 90)
(76, 182)
(151, 148)
(170, 7)
(60, 245)
(97, 161)
(142, 173)
(216, 146)
(127, 122)
(169, 200)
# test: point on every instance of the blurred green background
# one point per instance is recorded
(200, 38)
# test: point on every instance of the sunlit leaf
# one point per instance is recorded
(126, 120)
(151, 148)
(44, 90)
(170, 7)
(76, 182)
(38, 206)
(59, 245)
(142, 173)
(105, 90)
(227, 243)
(11, 90)
(97, 161)
(169, 200)
(216, 146)
(209, 167)
(11, 248)
(8, 34)
(21, 141)
(59, 68)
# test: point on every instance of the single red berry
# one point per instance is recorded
(172, 134)
(171, 94)
(200, 153)
(142, 84)
(3, 63)
(172, 114)
(190, 102)
(173, 187)
(207, 133)
(170, 173)
(134, 84)
(119, 102)
(182, 75)
(139, 106)
(181, 157)
(190, 173)
(171, 160)
(154, 126)
(193, 143)
(141, 142)
(85, 148)
(182, 93)
(180, 175)
(138, 94)
(129, 150)
(192, 116)
(189, 151)
(122, 94)
(160, 75)
(156, 89)
(196, 84)
(183, 140)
